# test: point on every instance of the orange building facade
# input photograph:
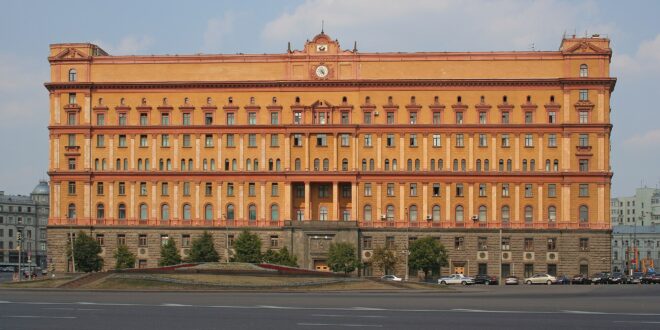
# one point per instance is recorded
(503, 156)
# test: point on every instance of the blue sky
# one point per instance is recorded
(177, 27)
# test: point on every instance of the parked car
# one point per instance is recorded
(392, 278)
(650, 278)
(485, 279)
(616, 278)
(541, 279)
(636, 278)
(6, 269)
(600, 278)
(511, 280)
(581, 279)
(456, 279)
(563, 279)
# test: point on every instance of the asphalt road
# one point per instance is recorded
(479, 307)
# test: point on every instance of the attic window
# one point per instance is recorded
(413, 100)
(209, 100)
(230, 100)
(122, 101)
(274, 100)
(436, 99)
(482, 99)
(504, 99)
(389, 100)
(252, 100)
(297, 99)
(100, 101)
(459, 99)
(186, 100)
(164, 101)
(552, 99)
(73, 75)
(144, 101)
(367, 100)
(529, 98)
(344, 99)
(584, 70)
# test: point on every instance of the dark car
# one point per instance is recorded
(563, 279)
(616, 278)
(485, 279)
(600, 278)
(636, 278)
(580, 279)
(650, 278)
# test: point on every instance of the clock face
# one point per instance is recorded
(322, 71)
(321, 48)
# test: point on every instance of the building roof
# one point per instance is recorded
(41, 189)
(652, 229)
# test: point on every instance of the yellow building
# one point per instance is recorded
(323, 144)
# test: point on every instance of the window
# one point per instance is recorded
(208, 140)
(143, 189)
(121, 211)
(208, 119)
(324, 191)
(122, 119)
(584, 70)
(367, 140)
(390, 242)
(413, 140)
(436, 190)
(482, 243)
(252, 118)
(121, 239)
(412, 213)
(552, 117)
(72, 98)
(584, 214)
(390, 140)
(584, 165)
(506, 243)
(459, 213)
(483, 140)
(389, 212)
(483, 213)
(505, 117)
(73, 75)
(252, 189)
(144, 119)
(252, 140)
(583, 140)
(437, 140)
(505, 214)
(165, 119)
(186, 211)
(552, 244)
(230, 212)
(505, 141)
(528, 244)
(72, 187)
(529, 140)
(552, 214)
(552, 190)
(482, 117)
(552, 140)
(231, 118)
(72, 164)
(165, 140)
(529, 192)
(482, 190)
(274, 190)
(323, 213)
(297, 117)
(297, 140)
(529, 214)
(143, 211)
(584, 245)
(345, 138)
(459, 118)
(390, 117)
(71, 211)
(584, 95)
(71, 118)
(208, 212)
(459, 140)
(458, 243)
(413, 189)
(186, 189)
(584, 190)
(121, 187)
(459, 190)
(100, 119)
(529, 118)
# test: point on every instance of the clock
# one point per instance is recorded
(322, 71)
(321, 48)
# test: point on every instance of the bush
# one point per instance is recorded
(169, 254)
(342, 258)
(86, 253)
(125, 259)
(248, 248)
(202, 249)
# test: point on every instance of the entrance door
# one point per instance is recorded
(321, 265)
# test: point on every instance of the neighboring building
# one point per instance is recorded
(321, 145)
(29, 216)
(636, 230)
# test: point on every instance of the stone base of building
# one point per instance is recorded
(470, 251)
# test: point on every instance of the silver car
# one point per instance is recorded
(541, 279)
(456, 279)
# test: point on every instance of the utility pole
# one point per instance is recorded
(73, 259)
(19, 238)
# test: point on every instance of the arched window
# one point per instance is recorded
(317, 164)
(389, 214)
(394, 166)
(125, 164)
(364, 164)
(234, 164)
(139, 164)
(455, 164)
(435, 213)
(186, 211)
(208, 212)
(212, 164)
(297, 164)
(256, 164)
(121, 211)
(501, 165)
(326, 164)
(478, 165)
(344, 164)
(532, 165)
(205, 164)
(486, 165)
(367, 212)
(508, 165)
(432, 165)
(165, 212)
(271, 164)
(71, 213)
(483, 213)
(441, 165)
(183, 164)
(118, 164)
(104, 164)
(505, 214)
(161, 164)
(529, 214)
(143, 211)
(96, 164)
(248, 164)
(418, 164)
(552, 214)
(555, 165)
(584, 70)
(169, 164)
(190, 165)
(274, 212)
(278, 165)
(252, 212)
(459, 213)
(547, 165)
(73, 75)
(323, 213)
(230, 212)
(584, 214)
(524, 165)
(463, 165)
(412, 213)
(100, 211)
(410, 165)
(372, 164)
(387, 164)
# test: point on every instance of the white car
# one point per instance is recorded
(541, 279)
(456, 279)
(393, 278)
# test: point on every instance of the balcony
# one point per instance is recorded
(583, 150)
(72, 150)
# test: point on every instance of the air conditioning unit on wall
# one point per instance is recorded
(506, 256)
(367, 254)
(142, 252)
(528, 256)
(482, 255)
(552, 256)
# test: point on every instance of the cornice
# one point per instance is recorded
(324, 84)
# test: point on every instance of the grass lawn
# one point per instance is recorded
(45, 283)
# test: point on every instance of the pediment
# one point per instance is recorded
(70, 53)
(585, 47)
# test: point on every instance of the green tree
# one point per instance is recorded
(427, 254)
(281, 257)
(248, 248)
(202, 249)
(86, 253)
(125, 258)
(384, 259)
(342, 257)
(169, 254)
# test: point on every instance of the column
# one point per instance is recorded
(356, 152)
(197, 152)
(402, 157)
(219, 206)
(470, 164)
(425, 156)
(447, 152)
(516, 156)
(287, 153)
(154, 162)
(131, 160)
(87, 106)
(307, 202)
(111, 150)
(601, 152)
(566, 203)
(154, 191)
(87, 193)
(567, 106)
(241, 198)
(87, 152)
(241, 161)
(493, 202)
(379, 159)
(56, 206)
(540, 163)
(539, 199)
(287, 201)
(175, 208)
(566, 152)
(354, 201)
(197, 199)
(600, 112)
(402, 202)
(470, 210)
(334, 153)
(263, 206)
(306, 152)
(219, 161)
(335, 200)
(57, 108)
(264, 164)
(132, 201)
(517, 203)
(379, 201)
(111, 200)
(448, 206)
(494, 162)
(601, 204)
(425, 200)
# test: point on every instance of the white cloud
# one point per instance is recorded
(646, 60)
(217, 29)
(648, 139)
(385, 25)
(128, 45)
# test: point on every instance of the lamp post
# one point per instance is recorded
(224, 217)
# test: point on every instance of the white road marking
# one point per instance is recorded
(176, 305)
(340, 325)
(72, 309)
(348, 315)
(39, 317)
(583, 312)
(642, 322)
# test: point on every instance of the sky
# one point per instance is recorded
(190, 27)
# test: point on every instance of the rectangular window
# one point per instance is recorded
(459, 118)
(100, 141)
(482, 243)
(297, 118)
(165, 189)
(186, 121)
(252, 118)
(274, 190)
(72, 164)
(143, 140)
(413, 140)
(505, 141)
(143, 189)
(231, 118)
(584, 117)
(529, 244)
(186, 141)
(100, 119)
(437, 140)
(437, 118)
(121, 239)
(390, 118)
(324, 191)
(390, 189)
(552, 190)
(165, 119)
(208, 189)
(185, 240)
(230, 141)
(367, 140)
(584, 244)
(390, 243)
(482, 117)
(584, 190)
(529, 190)
(142, 240)
(528, 117)
(121, 188)
(390, 140)
(552, 244)
(208, 119)
(72, 98)
(300, 190)
(297, 140)
(208, 140)
(529, 140)
(506, 243)
(122, 141)
(367, 189)
(483, 140)
(252, 189)
(274, 118)
(367, 242)
(345, 138)
(274, 140)
(552, 117)
(552, 140)
(505, 117)
(72, 188)
(99, 188)
(584, 165)
(459, 190)
(165, 140)
(274, 241)
(458, 243)
(436, 190)
(583, 140)
(186, 189)
(144, 119)
(123, 121)
(71, 118)
(252, 140)
(459, 140)
(345, 119)
(366, 117)
(482, 190)
(413, 189)
(321, 140)
(584, 95)
(230, 189)
(346, 191)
